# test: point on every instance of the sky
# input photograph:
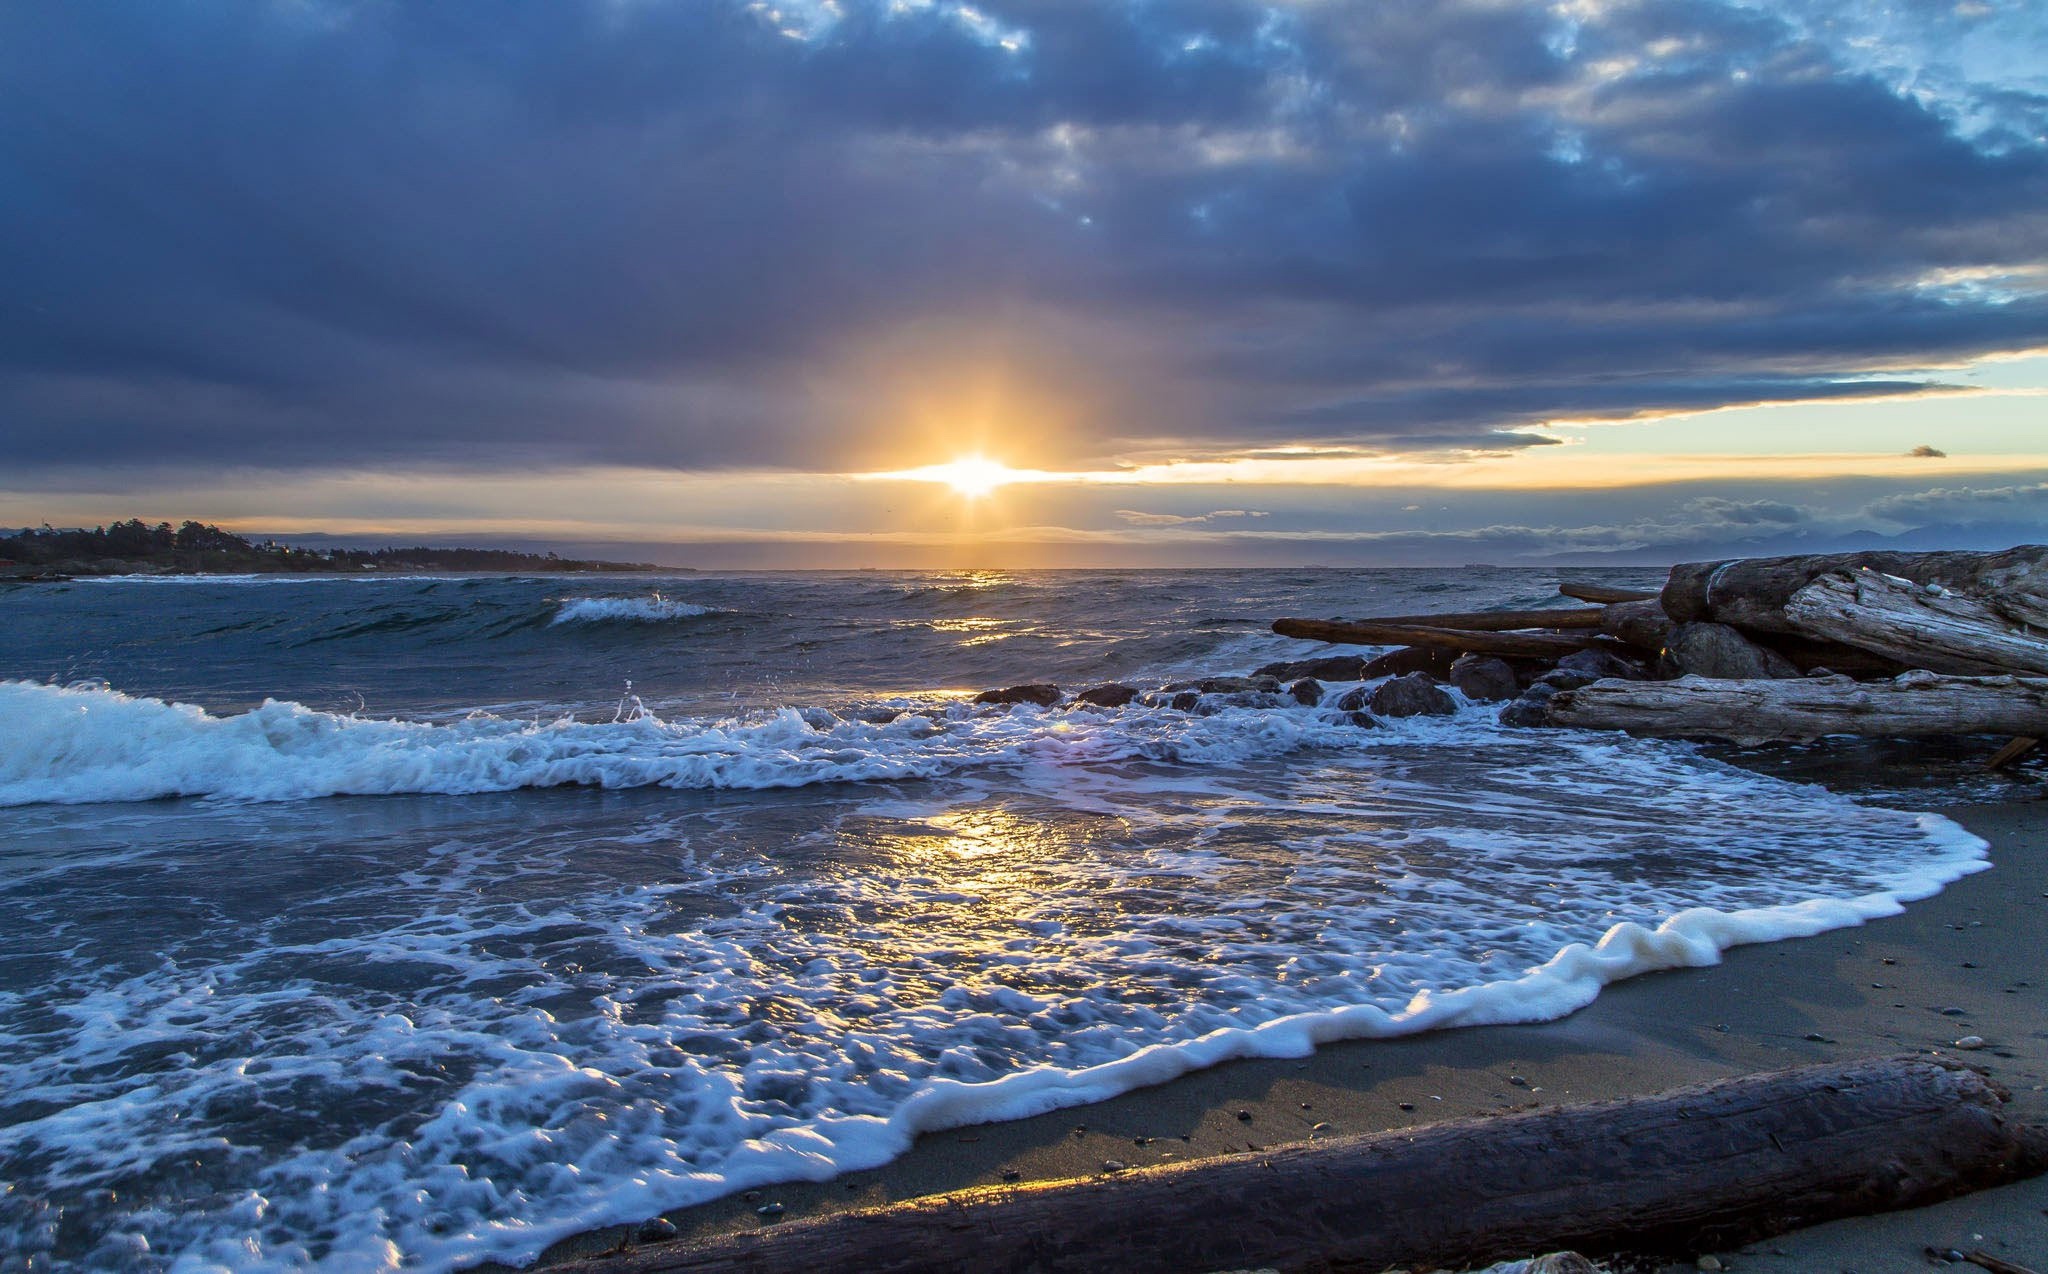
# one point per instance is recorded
(849, 283)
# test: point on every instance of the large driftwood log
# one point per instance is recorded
(1751, 592)
(1939, 630)
(1713, 1165)
(1512, 645)
(1602, 593)
(1914, 705)
(1498, 621)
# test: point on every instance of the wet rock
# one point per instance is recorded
(1532, 710)
(1709, 1263)
(1602, 664)
(655, 1230)
(1185, 701)
(1044, 694)
(1113, 695)
(1641, 624)
(1333, 668)
(770, 1210)
(1011, 1174)
(819, 718)
(1970, 1043)
(1716, 650)
(1354, 700)
(1484, 679)
(1307, 691)
(1395, 663)
(1114, 1165)
(1209, 705)
(1416, 694)
(879, 716)
(1244, 1116)
(1363, 720)
(1565, 679)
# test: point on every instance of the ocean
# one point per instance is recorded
(368, 922)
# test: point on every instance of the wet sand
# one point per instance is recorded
(1968, 962)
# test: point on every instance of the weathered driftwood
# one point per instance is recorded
(1602, 593)
(1497, 621)
(2012, 751)
(1713, 1165)
(1940, 630)
(1751, 592)
(1518, 645)
(1913, 705)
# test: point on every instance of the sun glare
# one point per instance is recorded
(973, 477)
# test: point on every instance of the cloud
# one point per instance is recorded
(1138, 518)
(1928, 453)
(701, 235)
(1963, 505)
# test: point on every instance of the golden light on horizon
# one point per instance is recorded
(971, 476)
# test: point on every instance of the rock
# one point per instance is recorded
(1185, 701)
(819, 718)
(1970, 1042)
(1602, 664)
(1641, 624)
(1308, 691)
(878, 716)
(1363, 720)
(1484, 679)
(1244, 1116)
(770, 1209)
(1112, 695)
(1416, 694)
(1334, 668)
(1354, 700)
(1716, 650)
(1238, 685)
(1430, 659)
(1710, 1263)
(1565, 679)
(1561, 1263)
(1044, 694)
(1209, 705)
(1532, 710)
(1011, 1174)
(655, 1230)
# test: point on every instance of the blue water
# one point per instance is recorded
(376, 923)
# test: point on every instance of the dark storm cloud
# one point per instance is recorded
(668, 232)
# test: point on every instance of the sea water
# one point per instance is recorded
(373, 922)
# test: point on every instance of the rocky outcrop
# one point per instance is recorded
(1042, 693)
(1484, 679)
(1415, 695)
(1720, 652)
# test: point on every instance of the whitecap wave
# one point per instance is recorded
(85, 744)
(652, 609)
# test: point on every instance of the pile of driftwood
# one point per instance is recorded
(1757, 650)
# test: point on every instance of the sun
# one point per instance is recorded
(972, 476)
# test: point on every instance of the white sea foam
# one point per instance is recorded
(489, 1031)
(82, 744)
(651, 609)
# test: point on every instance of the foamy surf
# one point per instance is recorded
(652, 609)
(537, 1027)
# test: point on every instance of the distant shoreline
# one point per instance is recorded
(134, 547)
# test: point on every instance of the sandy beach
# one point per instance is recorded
(1967, 962)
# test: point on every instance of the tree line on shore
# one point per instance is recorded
(200, 548)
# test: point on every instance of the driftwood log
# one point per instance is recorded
(1602, 593)
(1510, 645)
(1497, 621)
(1713, 1165)
(1751, 593)
(1940, 630)
(1913, 705)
